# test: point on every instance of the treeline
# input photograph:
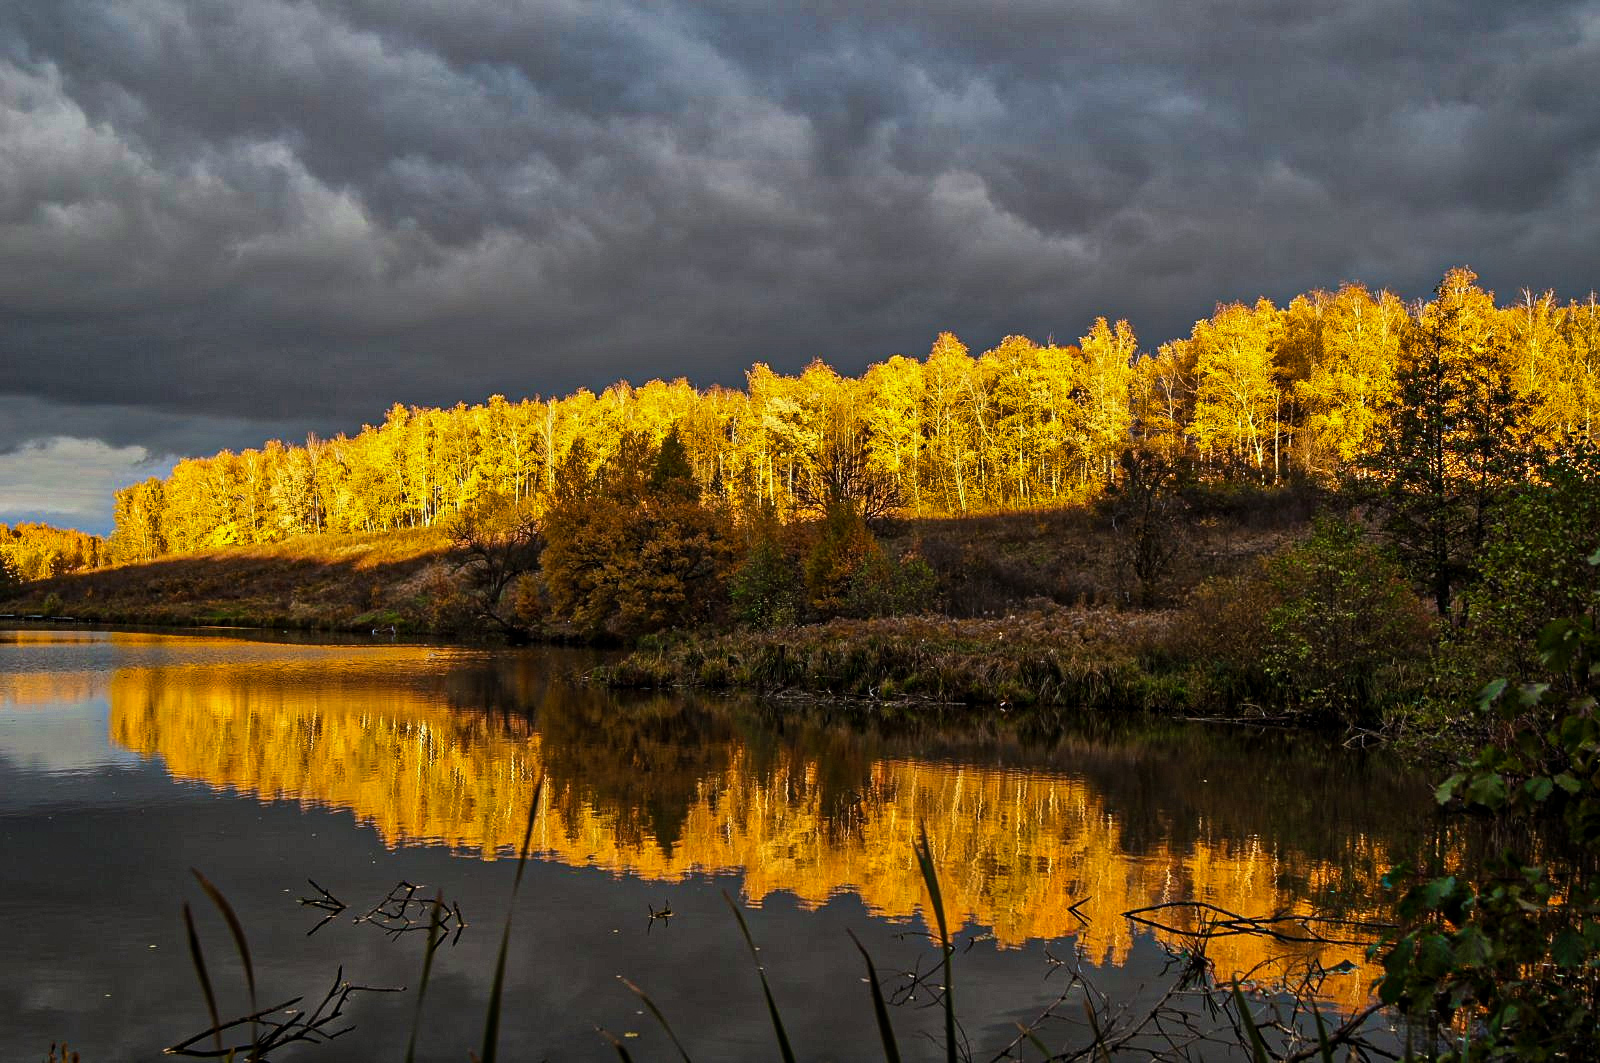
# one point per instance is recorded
(38, 551)
(1255, 391)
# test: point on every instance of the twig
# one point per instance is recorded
(292, 1028)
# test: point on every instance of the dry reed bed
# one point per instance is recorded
(1081, 657)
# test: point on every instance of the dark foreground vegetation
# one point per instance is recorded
(1192, 1015)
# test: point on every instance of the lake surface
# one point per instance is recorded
(126, 759)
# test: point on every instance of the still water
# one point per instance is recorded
(127, 759)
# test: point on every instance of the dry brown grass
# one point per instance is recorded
(993, 564)
(322, 581)
(1079, 657)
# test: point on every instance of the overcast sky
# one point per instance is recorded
(228, 220)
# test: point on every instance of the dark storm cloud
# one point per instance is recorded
(286, 215)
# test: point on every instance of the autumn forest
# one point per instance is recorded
(1255, 391)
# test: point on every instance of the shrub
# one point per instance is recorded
(766, 589)
(883, 586)
(1531, 568)
(499, 544)
(632, 549)
(833, 563)
(1326, 629)
(1146, 513)
(1344, 621)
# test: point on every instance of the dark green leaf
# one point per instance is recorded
(1491, 693)
(1532, 693)
(1258, 1047)
(1435, 957)
(1488, 791)
(1434, 894)
(1445, 792)
(1473, 948)
(1568, 949)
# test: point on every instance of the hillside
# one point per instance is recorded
(413, 579)
(329, 582)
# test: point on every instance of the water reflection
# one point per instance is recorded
(433, 747)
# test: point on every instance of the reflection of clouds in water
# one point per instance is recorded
(47, 690)
(61, 738)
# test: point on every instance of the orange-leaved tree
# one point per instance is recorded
(630, 548)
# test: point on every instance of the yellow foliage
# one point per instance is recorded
(1253, 389)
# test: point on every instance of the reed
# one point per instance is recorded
(435, 935)
(239, 943)
(660, 1018)
(197, 957)
(1076, 658)
(772, 1005)
(880, 1012)
(271, 1027)
(930, 877)
(491, 1023)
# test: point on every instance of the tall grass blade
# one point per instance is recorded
(434, 935)
(1324, 1048)
(662, 1019)
(200, 970)
(1033, 1039)
(237, 930)
(891, 1051)
(936, 902)
(491, 1022)
(1258, 1047)
(1094, 1024)
(772, 1005)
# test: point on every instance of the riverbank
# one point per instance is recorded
(1322, 631)
(1079, 659)
(1028, 610)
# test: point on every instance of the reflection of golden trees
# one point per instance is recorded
(391, 751)
(1015, 849)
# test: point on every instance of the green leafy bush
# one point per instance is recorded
(884, 586)
(843, 549)
(766, 588)
(1343, 623)
(1327, 629)
(1529, 571)
(1506, 960)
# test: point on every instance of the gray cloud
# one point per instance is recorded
(221, 222)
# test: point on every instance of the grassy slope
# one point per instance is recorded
(1042, 563)
(320, 581)
(1000, 564)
